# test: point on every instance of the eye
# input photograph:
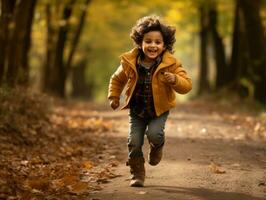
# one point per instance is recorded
(158, 42)
(147, 41)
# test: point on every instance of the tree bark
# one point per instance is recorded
(204, 85)
(220, 59)
(236, 42)
(256, 46)
(24, 78)
(58, 65)
(80, 87)
(7, 9)
(77, 36)
(239, 59)
(22, 21)
(47, 83)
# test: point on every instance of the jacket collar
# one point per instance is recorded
(131, 57)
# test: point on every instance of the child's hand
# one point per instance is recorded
(170, 77)
(114, 103)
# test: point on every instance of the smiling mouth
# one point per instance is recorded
(152, 51)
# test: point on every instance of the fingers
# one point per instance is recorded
(170, 78)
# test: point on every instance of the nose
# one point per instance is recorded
(153, 44)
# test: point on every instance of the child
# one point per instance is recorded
(151, 75)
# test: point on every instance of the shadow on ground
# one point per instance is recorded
(204, 193)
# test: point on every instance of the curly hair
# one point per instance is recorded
(153, 23)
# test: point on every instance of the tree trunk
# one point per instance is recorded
(16, 70)
(239, 59)
(236, 42)
(256, 46)
(220, 60)
(204, 85)
(60, 70)
(80, 87)
(77, 36)
(24, 78)
(47, 83)
(7, 9)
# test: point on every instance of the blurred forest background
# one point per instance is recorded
(69, 48)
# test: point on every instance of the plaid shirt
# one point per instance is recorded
(142, 100)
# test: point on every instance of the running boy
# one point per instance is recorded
(151, 75)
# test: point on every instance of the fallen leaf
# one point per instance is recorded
(78, 188)
(235, 165)
(38, 184)
(215, 168)
(262, 184)
(24, 162)
(142, 192)
(65, 181)
(257, 127)
(87, 165)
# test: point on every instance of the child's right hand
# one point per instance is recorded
(114, 103)
(170, 77)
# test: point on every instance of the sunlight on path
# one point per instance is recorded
(204, 159)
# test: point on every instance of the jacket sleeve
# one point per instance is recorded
(117, 83)
(183, 83)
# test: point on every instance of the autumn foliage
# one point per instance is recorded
(51, 151)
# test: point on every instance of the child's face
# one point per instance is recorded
(152, 45)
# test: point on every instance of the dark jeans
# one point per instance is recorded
(138, 127)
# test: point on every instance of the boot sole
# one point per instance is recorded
(154, 164)
(136, 184)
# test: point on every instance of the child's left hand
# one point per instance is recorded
(170, 77)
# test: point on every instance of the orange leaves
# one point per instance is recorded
(216, 168)
(80, 120)
(92, 124)
(72, 178)
(53, 154)
(78, 188)
(87, 165)
(37, 184)
(72, 183)
(65, 181)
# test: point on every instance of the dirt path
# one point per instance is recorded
(206, 157)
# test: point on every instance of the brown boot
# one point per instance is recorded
(155, 154)
(137, 170)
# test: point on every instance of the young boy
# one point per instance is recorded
(151, 75)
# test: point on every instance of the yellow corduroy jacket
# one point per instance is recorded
(163, 93)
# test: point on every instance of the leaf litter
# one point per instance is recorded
(50, 149)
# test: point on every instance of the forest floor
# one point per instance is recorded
(78, 151)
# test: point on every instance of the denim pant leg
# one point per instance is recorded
(137, 128)
(155, 131)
